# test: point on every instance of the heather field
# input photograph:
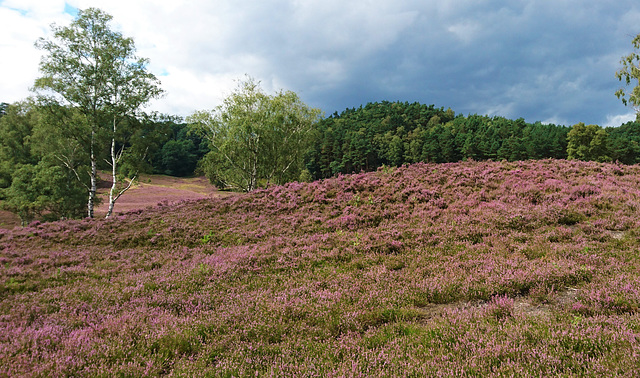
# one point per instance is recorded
(148, 190)
(467, 269)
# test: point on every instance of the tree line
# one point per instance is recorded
(235, 152)
(87, 116)
(45, 162)
(396, 133)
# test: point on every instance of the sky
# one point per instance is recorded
(543, 60)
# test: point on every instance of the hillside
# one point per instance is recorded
(148, 190)
(477, 268)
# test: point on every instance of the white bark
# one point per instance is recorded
(114, 177)
(115, 158)
(93, 176)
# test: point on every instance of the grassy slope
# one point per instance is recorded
(527, 268)
(8, 219)
(149, 190)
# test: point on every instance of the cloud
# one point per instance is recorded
(540, 60)
(21, 24)
(619, 119)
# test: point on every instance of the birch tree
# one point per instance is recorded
(255, 137)
(95, 70)
(628, 74)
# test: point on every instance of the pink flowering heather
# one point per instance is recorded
(467, 269)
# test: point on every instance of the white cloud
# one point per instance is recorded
(204, 91)
(533, 59)
(554, 121)
(316, 42)
(619, 119)
(21, 24)
(36, 8)
(465, 31)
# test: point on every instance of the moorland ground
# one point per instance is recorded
(465, 269)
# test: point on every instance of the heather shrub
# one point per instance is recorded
(477, 268)
(499, 307)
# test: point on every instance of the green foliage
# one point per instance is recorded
(181, 150)
(140, 139)
(93, 69)
(178, 158)
(624, 143)
(33, 154)
(394, 133)
(588, 143)
(255, 137)
(16, 128)
(630, 72)
(61, 135)
(45, 191)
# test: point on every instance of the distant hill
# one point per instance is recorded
(478, 268)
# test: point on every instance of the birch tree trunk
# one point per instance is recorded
(92, 68)
(114, 177)
(93, 177)
(253, 178)
(115, 158)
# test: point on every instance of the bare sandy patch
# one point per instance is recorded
(151, 190)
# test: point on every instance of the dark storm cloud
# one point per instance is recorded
(541, 60)
(547, 60)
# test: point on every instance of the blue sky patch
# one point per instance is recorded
(21, 11)
(68, 9)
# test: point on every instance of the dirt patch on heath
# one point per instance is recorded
(522, 305)
(558, 300)
(151, 190)
(8, 220)
(148, 190)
